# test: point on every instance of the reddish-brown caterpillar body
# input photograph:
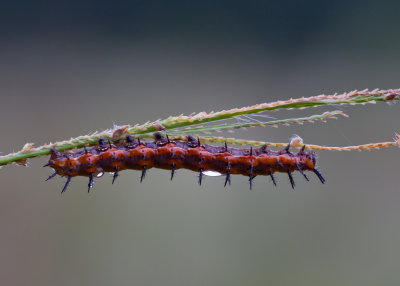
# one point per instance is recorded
(172, 155)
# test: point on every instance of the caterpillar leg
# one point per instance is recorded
(143, 173)
(319, 175)
(200, 173)
(228, 178)
(272, 178)
(115, 174)
(301, 172)
(228, 171)
(51, 176)
(172, 170)
(251, 177)
(66, 184)
(90, 184)
(291, 179)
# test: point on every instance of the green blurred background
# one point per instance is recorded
(70, 68)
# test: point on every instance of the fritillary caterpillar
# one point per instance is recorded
(172, 155)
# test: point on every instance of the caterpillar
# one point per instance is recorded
(172, 155)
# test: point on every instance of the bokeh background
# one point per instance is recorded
(70, 68)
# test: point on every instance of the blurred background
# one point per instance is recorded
(68, 68)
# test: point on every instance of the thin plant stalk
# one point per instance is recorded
(173, 123)
(297, 142)
(274, 123)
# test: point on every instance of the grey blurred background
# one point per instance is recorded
(70, 68)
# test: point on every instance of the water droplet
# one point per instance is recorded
(212, 173)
